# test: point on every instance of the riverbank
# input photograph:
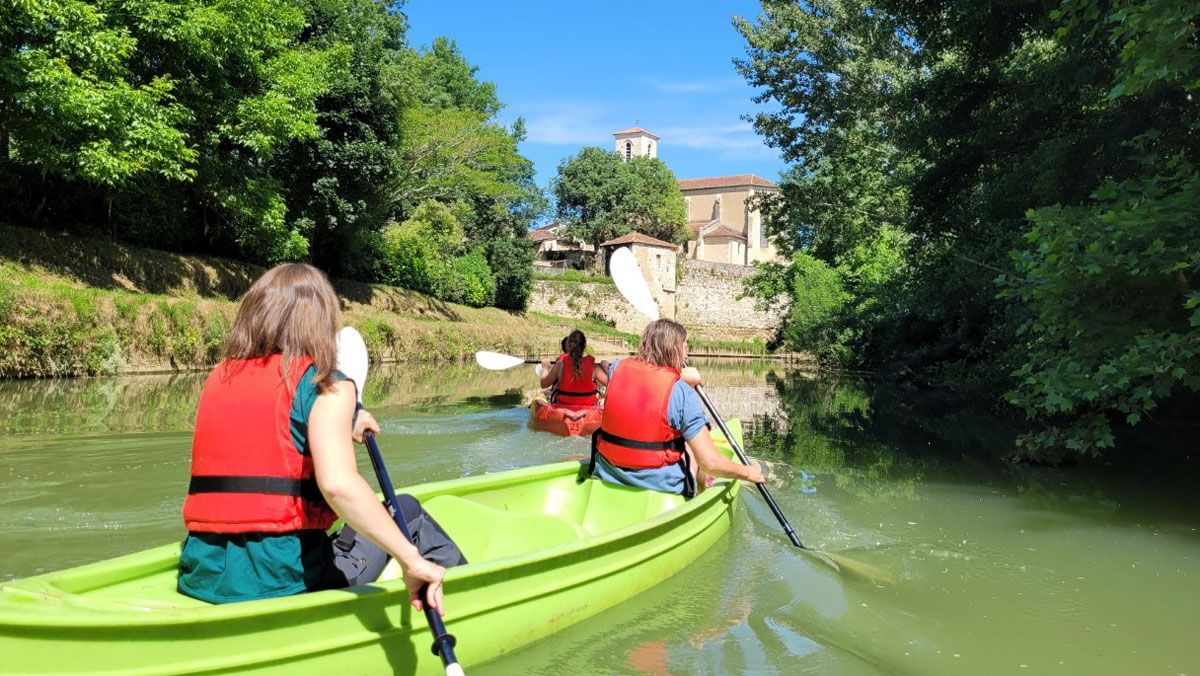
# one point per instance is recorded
(78, 306)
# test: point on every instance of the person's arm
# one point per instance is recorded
(713, 463)
(600, 373)
(352, 498)
(550, 372)
(710, 461)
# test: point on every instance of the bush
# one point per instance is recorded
(424, 253)
(478, 283)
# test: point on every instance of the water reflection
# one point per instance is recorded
(1001, 569)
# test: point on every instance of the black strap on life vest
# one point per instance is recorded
(689, 481)
(559, 390)
(270, 485)
(675, 444)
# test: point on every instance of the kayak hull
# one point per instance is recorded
(546, 552)
(565, 420)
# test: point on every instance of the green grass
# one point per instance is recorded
(574, 277)
(756, 347)
(592, 327)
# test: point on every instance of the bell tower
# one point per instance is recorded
(635, 142)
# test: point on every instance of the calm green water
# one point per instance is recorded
(999, 569)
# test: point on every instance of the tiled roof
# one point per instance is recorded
(725, 231)
(738, 181)
(697, 226)
(545, 232)
(638, 238)
(634, 130)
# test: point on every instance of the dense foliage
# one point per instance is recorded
(268, 131)
(600, 196)
(1000, 197)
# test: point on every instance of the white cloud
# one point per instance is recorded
(575, 123)
(729, 139)
(569, 123)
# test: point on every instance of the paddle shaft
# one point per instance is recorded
(443, 641)
(787, 527)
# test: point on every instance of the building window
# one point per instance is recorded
(762, 233)
(649, 148)
(628, 150)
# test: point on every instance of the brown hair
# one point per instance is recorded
(574, 345)
(290, 310)
(664, 343)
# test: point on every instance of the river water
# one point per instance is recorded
(999, 568)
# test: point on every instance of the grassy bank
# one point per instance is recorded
(73, 306)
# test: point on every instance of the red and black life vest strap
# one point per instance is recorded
(269, 485)
(570, 393)
(689, 481)
(675, 444)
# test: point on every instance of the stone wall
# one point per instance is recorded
(706, 301)
(580, 299)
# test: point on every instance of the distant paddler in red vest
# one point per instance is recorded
(654, 433)
(576, 377)
(273, 463)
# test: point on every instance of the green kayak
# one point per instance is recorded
(546, 552)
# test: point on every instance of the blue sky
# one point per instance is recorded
(578, 71)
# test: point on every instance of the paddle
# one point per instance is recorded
(628, 277)
(498, 361)
(353, 362)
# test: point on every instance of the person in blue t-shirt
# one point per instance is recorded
(654, 433)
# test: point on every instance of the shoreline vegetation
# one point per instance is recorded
(81, 306)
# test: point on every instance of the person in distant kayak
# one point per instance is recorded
(575, 376)
(654, 433)
(273, 463)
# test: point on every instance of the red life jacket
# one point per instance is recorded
(634, 432)
(247, 475)
(573, 390)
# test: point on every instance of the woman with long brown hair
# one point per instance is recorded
(654, 433)
(273, 463)
(575, 376)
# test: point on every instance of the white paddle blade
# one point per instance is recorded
(352, 359)
(629, 280)
(497, 361)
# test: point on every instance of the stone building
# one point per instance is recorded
(635, 142)
(656, 259)
(725, 226)
(556, 252)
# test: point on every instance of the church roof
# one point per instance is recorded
(634, 130)
(638, 238)
(725, 231)
(737, 181)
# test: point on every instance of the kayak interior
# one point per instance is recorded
(504, 516)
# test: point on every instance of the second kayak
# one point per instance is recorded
(565, 421)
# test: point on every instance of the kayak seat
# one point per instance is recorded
(485, 533)
(611, 507)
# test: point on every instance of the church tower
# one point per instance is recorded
(635, 142)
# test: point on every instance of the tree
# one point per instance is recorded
(1016, 174)
(334, 185)
(161, 116)
(600, 197)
